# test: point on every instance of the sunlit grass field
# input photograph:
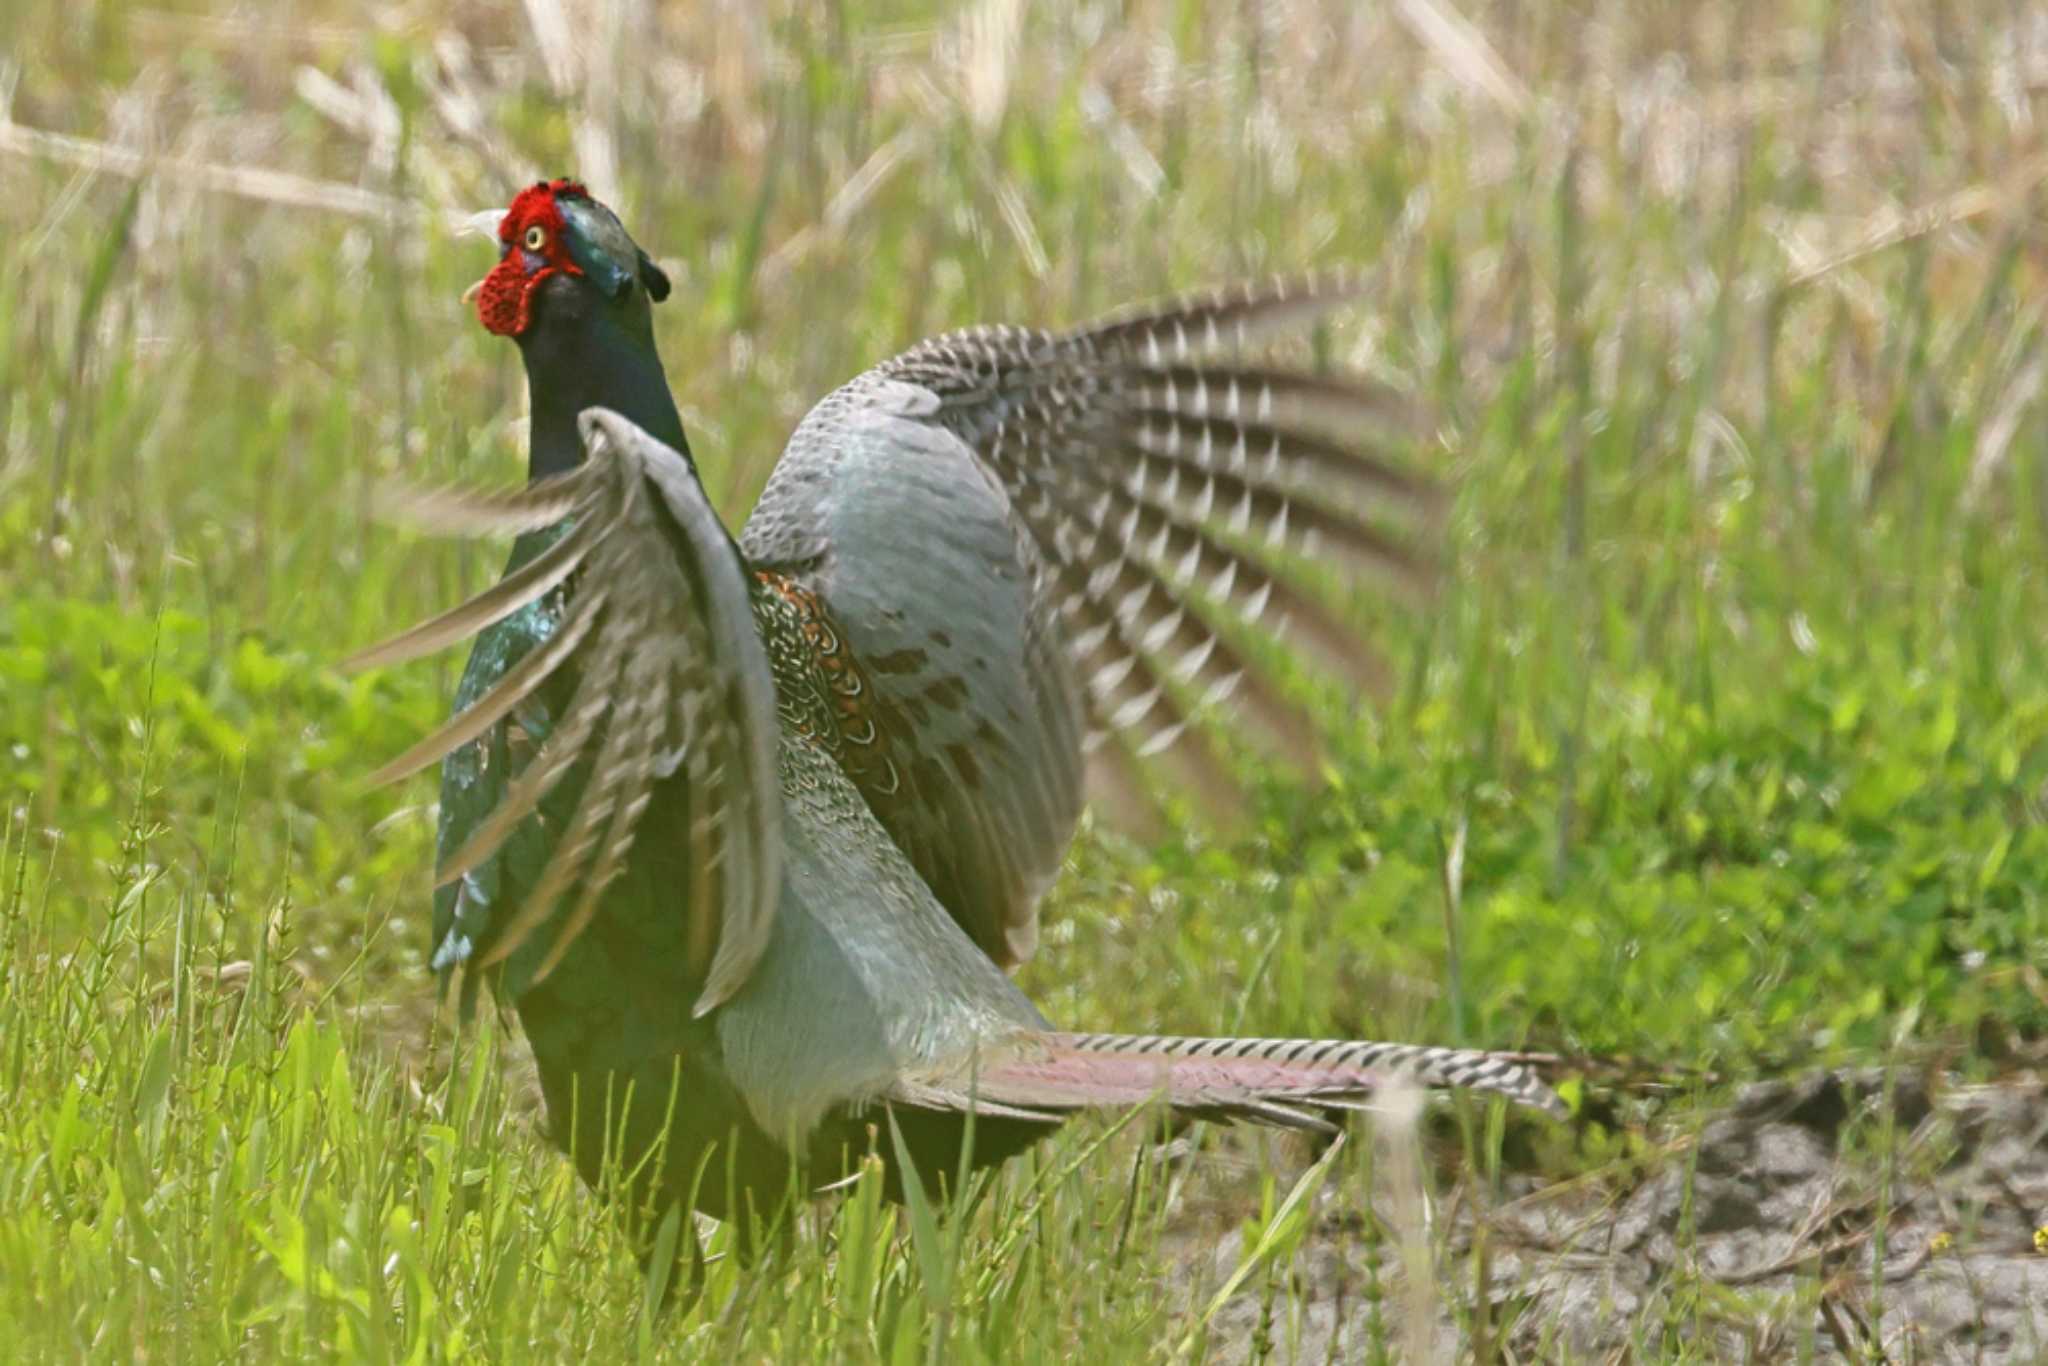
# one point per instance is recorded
(1720, 751)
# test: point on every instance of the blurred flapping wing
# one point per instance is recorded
(666, 677)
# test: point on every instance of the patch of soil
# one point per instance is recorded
(1824, 1216)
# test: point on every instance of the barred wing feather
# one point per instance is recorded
(1154, 492)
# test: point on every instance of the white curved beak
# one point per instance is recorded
(484, 223)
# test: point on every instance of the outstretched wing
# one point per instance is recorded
(653, 647)
(1045, 545)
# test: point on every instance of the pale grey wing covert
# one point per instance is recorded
(902, 529)
(666, 676)
(1047, 548)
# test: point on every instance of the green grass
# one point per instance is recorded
(1736, 686)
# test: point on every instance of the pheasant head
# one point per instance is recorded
(554, 228)
(572, 288)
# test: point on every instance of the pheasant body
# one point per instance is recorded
(748, 831)
(887, 981)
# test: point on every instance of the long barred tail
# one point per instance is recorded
(1267, 1080)
(1308, 1068)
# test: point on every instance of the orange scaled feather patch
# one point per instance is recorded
(860, 742)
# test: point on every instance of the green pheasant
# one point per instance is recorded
(749, 831)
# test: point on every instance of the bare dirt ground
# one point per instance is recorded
(1819, 1219)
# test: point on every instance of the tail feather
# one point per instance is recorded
(1271, 1081)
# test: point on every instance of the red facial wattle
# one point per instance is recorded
(530, 236)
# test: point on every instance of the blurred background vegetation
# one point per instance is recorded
(1722, 747)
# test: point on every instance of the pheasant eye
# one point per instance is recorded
(536, 238)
